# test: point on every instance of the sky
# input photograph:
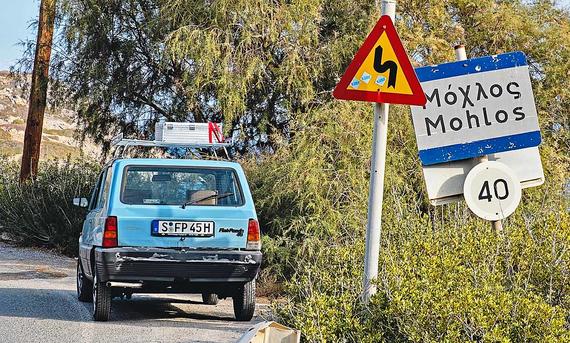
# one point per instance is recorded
(16, 17)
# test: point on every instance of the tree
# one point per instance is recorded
(256, 65)
(38, 91)
(251, 64)
(111, 68)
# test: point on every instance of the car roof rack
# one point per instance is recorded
(177, 135)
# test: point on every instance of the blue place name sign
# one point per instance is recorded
(475, 107)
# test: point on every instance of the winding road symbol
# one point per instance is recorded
(381, 71)
(388, 65)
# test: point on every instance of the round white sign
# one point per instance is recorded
(492, 190)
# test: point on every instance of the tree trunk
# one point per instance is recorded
(38, 91)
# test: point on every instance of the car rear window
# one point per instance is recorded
(152, 185)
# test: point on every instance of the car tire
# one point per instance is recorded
(101, 299)
(84, 286)
(210, 298)
(244, 301)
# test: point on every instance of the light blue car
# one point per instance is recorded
(169, 226)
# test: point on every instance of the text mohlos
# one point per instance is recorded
(474, 108)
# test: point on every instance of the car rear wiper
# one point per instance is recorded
(213, 196)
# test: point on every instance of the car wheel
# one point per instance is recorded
(84, 286)
(244, 301)
(101, 299)
(210, 298)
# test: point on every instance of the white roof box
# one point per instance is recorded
(188, 133)
(182, 135)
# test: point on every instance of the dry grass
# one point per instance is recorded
(5, 136)
(60, 132)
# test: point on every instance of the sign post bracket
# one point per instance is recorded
(461, 55)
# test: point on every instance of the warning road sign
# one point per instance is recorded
(381, 71)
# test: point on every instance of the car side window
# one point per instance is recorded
(96, 192)
(105, 191)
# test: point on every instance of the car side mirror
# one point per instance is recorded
(81, 202)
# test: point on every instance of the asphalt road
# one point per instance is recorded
(38, 304)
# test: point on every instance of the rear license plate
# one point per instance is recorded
(182, 228)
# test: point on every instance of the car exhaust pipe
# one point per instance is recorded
(124, 284)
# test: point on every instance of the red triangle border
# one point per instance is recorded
(417, 97)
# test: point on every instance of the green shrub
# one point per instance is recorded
(445, 275)
(41, 213)
(436, 285)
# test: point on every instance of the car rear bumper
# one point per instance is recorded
(169, 265)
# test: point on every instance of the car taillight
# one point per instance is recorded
(253, 235)
(110, 233)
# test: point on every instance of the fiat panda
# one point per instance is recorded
(169, 226)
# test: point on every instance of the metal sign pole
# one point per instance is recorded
(461, 55)
(377, 168)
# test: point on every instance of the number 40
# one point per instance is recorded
(485, 193)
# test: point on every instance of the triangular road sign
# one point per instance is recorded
(381, 71)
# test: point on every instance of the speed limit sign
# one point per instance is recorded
(492, 190)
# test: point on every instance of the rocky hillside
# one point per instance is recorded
(59, 138)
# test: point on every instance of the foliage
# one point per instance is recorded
(252, 64)
(445, 275)
(108, 65)
(256, 65)
(40, 213)
(261, 62)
